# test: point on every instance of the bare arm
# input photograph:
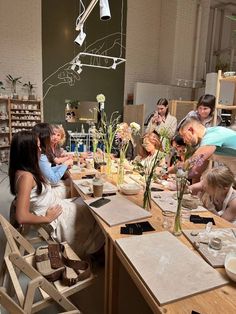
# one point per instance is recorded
(24, 186)
(206, 152)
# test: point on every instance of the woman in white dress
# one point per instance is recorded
(70, 220)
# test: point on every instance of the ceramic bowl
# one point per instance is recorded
(230, 265)
(190, 201)
(130, 188)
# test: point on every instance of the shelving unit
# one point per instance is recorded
(220, 106)
(4, 130)
(24, 114)
(16, 115)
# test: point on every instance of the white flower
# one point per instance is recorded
(100, 98)
(135, 126)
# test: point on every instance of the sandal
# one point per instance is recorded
(54, 255)
(82, 268)
(43, 264)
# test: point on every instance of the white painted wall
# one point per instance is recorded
(21, 42)
(142, 42)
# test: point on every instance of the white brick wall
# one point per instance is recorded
(163, 50)
(142, 42)
(21, 44)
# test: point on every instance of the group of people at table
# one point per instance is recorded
(38, 172)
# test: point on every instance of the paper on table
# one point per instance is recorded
(166, 202)
(169, 269)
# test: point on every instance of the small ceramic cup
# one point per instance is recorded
(97, 187)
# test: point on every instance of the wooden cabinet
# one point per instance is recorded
(220, 106)
(4, 130)
(16, 115)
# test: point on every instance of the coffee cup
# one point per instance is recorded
(97, 187)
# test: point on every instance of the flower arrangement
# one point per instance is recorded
(147, 169)
(108, 131)
(182, 174)
(96, 136)
(124, 135)
(100, 98)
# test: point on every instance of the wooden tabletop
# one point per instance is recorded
(219, 300)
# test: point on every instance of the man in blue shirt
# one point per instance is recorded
(217, 142)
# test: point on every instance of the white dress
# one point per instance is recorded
(76, 224)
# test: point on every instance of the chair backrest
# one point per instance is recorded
(17, 262)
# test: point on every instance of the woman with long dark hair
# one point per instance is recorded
(70, 219)
(162, 121)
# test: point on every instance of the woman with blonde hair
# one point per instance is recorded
(59, 155)
(218, 194)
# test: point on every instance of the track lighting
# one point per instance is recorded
(105, 13)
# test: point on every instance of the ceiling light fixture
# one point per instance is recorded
(81, 37)
(105, 13)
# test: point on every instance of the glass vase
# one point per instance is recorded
(177, 231)
(121, 174)
(147, 197)
(108, 164)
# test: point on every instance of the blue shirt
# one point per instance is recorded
(52, 174)
(223, 138)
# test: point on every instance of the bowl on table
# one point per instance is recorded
(230, 265)
(190, 201)
(130, 188)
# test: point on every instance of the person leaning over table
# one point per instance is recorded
(70, 219)
(217, 192)
(204, 112)
(53, 174)
(161, 121)
(218, 143)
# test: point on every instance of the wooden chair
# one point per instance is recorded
(19, 262)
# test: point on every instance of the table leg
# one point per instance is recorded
(111, 278)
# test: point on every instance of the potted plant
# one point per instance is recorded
(1, 87)
(14, 81)
(29, 86)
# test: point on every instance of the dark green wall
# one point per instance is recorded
(103, 37)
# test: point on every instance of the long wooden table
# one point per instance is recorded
(219, 300)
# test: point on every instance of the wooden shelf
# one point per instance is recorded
(228, 79)
(4, 146)
(25, 113)
(24, 101)
(219, 106)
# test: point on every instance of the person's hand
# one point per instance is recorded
(68, 162)
(53, 212)
(157, 118)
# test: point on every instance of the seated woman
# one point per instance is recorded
(70, 220)
(151, 145)
(53, 174)
(162, 121)
(59, 155)
(204, 112)
(178, 152)
(219, 196)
